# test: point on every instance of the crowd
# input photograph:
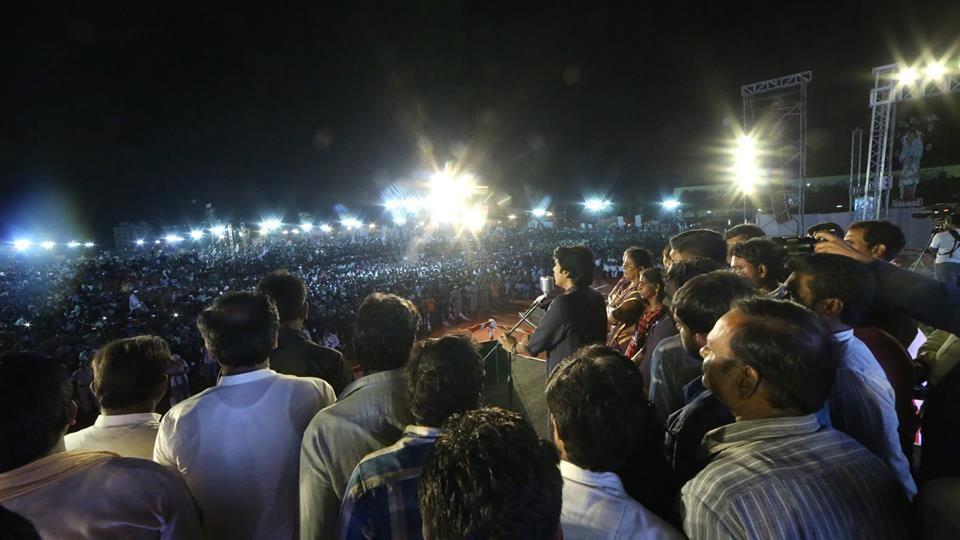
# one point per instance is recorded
(765, 395)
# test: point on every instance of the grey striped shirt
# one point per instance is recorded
(789, 478)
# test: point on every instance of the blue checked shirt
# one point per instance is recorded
(381, 497)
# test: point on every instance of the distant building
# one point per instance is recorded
(125, 235)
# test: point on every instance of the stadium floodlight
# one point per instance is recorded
(48, 244)
(907, 75)
(22, 244)
(746, 171)
(393, 204)
(670, 204)
(218, 231)
(196, 234)
(27, 324)
(475, 219)
(549, 214)
(270, 224)
(512, 216)
(399, 220)
(539, 212)
(325, 228)
(372, 226)
(156, 242)
(306, 226)
(88, 244)
(73, 244)
(351, 223)
(173, 238)
(139, 242)
(935, 71)
(596, 204)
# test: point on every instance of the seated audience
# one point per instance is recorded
(739, 234)
(760, 261)
(597, 416)
(444, 376)
(237, 444)
(777, 472)
(862, 402)
(371, 414)
(490, 476)
(694, 243)
(129, 379)
(296, 354)
(77, 493)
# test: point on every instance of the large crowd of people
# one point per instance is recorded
(738, 391)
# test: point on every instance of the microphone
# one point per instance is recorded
(546, 285)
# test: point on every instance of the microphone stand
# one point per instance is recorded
(497, 345)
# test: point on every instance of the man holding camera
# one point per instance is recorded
(946, 244)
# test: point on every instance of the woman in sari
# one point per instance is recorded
(624, 305)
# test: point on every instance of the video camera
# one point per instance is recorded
(795, 245)
(940, 214)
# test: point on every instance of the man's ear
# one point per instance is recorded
(748, 382)
(305, 311)
(878, 250)
(701, 338)
(831, 307)
(762, 271)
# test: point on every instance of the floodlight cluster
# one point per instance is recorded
(597, 204)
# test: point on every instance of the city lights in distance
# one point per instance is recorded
(670, 204)
(270, 224)
(22, 244)
(48, 244)
(597, 204)
(196, 234)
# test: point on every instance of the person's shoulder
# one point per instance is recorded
(144, 469)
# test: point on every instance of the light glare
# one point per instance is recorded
(196, 234)
(47, 244)
(935, 71)
(670, 204)
(22, 244)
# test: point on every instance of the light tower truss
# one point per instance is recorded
(888, 90)
(775, 111)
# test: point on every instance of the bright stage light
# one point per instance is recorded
(351, 223)
(449, 196)
(325, 228)
(270, 224)
(139, 242)
(156, 242)
(196, 234)
(306, 227)
(47, 244)
(372, 226)
(393, 204)
(88, 244)
(935, 71)
(670, 204)
(218, 231)
(746, 172)
(22, 244)
(907, 75)
(399, 220)
(539, 212)
(73, 244)
(596, 204)
(173, 238)
(512, 216)
(475, 219)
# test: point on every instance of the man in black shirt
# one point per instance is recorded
(576, 318)
(295, 353)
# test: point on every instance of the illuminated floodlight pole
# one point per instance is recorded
(269, 225)
(306, 226)
(670, 204)
(196, 235)
(326, 228)
(22, 244)
(48, 244)
(173, 238)
(218, 231)
(746, 171)
(596, 204)
(139, 242)
(88, 244)
(73, 244)
(539, 212)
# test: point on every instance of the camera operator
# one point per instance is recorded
(946, 244)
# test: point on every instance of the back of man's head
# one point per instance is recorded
(130, 371)
(743, 232)
(698, 243)
(593, 397)
(287, 291)
(705, 298)
(835, 277)
(384, 331)
(826, 226)
(791, 348)
(683, 271)
(240, 329)
(490, 476)
(34, 398)
(881, 233)
(444, 376)
(576, 261)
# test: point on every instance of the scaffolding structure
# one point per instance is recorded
(775, 110)
(873, 195)
(856, 162)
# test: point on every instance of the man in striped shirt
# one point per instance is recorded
(443, 376)
(776, 472)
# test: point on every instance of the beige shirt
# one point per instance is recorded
(122, 498)
(130, 435)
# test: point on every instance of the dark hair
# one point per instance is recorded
(34, 393)
(828, 226)
(384, 331)
(640, 257)
(654, 276)
(701, 302)
(444, 376)
(744, 229)
(594, 396)
(490, 476)
(700, 243)
(836, 276)
(792, 350)
(129, 371)
(683, 271)
(882, 232)
(13, 526)
(239, 328)
(576, 261)
(287, 291)
(757, 251)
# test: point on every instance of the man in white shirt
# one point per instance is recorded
(598, 412)
(371, 414)
(238, 444)
(77, 493)
(946, 267)
(129, 379)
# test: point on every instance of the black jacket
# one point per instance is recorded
(296, 355)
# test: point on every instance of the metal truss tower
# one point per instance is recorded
(887, 91)
(775, 111)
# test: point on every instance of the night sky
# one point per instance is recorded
(150, 111)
